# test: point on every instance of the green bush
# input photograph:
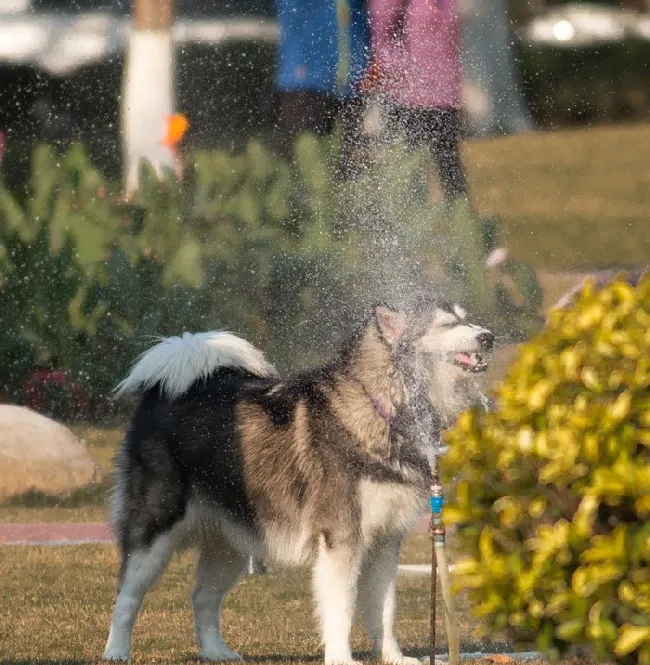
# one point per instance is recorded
(584, 84)
(553, 494)
(244, 244)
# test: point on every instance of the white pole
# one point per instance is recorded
(148, 89)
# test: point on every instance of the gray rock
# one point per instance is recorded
(37, 453)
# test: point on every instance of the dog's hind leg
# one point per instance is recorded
(376, 601)
(218, 569)
(336, 573)
(140, 569)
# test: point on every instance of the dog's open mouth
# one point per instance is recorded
(470, 362)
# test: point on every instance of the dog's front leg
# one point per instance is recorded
(336, 573)
(377, 601)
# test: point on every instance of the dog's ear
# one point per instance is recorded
(391, 323)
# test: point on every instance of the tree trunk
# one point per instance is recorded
(148, 88)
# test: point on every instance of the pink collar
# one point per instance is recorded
(379, 408)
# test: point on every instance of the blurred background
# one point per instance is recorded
(246, 222)
(61, 67)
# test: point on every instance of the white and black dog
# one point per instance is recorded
(329, 468)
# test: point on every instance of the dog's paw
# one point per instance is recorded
(339, 653)
(399, 659)
(115, 655)
(340, 659)
(219, 655)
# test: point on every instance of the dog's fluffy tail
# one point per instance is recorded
(175, 363)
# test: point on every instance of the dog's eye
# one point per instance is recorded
(448, 324)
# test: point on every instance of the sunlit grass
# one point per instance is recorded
(567, 200)
(55, 605)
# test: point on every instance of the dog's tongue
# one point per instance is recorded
(467, 359)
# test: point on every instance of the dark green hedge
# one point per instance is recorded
(287, 256)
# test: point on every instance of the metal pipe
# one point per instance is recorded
(440, 567)
(453, 643)
(434, 586)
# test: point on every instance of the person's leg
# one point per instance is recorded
(303, 111)
(444, 137)
(412, 124)
(400, 121)
(440, 131)
(351, 117)
(444, 128)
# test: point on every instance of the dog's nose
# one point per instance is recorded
(486, 340)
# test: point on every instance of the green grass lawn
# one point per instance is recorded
(55, 606)
(567, 200)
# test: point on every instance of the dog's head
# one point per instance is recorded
(437, 345)
(451, 338)
(439, 329)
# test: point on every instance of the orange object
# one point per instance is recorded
(177, 125)
(372, 80)
(499, 658)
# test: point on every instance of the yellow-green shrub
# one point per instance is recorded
(552, 503)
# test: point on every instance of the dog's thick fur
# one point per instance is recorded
(329, 468)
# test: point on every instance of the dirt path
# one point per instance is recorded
(54, 533)
(68, 533)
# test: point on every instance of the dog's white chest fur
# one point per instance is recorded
(388, 508)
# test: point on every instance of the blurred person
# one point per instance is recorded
(322, 57)
(416, 72)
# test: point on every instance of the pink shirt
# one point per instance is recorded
(422, 68)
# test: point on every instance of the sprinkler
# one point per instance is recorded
(440, 566)
(439, 561)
